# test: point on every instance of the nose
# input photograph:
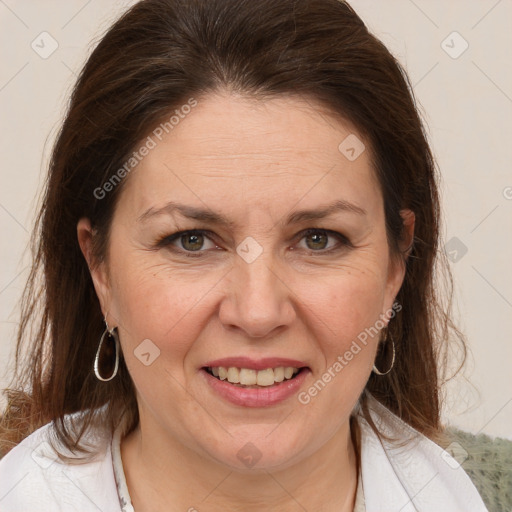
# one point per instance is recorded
(258, 299)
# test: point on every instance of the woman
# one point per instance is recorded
(237, 246)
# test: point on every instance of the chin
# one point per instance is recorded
(258, 452)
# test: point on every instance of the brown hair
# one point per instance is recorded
(152, 60)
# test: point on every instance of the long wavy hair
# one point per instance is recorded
(150, 62)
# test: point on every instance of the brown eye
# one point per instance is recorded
(324, 241)
(317, 240)
(192, 242)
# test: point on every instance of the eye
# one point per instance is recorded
(317, 240)
(188, 241)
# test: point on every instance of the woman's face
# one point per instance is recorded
(268, 282)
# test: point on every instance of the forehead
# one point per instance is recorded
(230, 148)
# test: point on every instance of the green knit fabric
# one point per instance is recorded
(488, 462)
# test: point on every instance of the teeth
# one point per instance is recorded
(234, 375)
(265, 377)
(247, 377)
(250, 377)
(279, 374)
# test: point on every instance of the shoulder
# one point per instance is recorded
(410, 472)
(33, 478)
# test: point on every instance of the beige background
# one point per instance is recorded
(466, 99)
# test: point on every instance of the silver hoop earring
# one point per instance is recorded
(377, 371)
(112, 335)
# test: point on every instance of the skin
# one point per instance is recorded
(255, 162)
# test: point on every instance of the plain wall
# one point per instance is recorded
(466, 101)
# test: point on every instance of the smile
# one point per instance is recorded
(277, 384)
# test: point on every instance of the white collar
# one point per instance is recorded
(413, 474)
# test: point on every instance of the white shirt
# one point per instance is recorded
(417, 476)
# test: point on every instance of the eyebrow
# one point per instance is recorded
(206, 215)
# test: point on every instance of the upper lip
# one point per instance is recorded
(254, 364)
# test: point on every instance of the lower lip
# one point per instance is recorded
(254, 397)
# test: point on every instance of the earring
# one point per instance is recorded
(376, 370)
(112, 335)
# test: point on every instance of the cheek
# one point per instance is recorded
(346, 302)
(345, 311)
(344, 314)
(160, 304)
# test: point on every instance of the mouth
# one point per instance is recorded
(250, 378)
(255, 388)
(251, 382)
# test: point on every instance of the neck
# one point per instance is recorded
(163, 475)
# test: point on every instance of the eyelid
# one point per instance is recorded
(168, 240)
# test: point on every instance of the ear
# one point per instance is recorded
(397, 266)
(408, 219)
(99, 274)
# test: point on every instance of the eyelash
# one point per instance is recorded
(166, 241)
